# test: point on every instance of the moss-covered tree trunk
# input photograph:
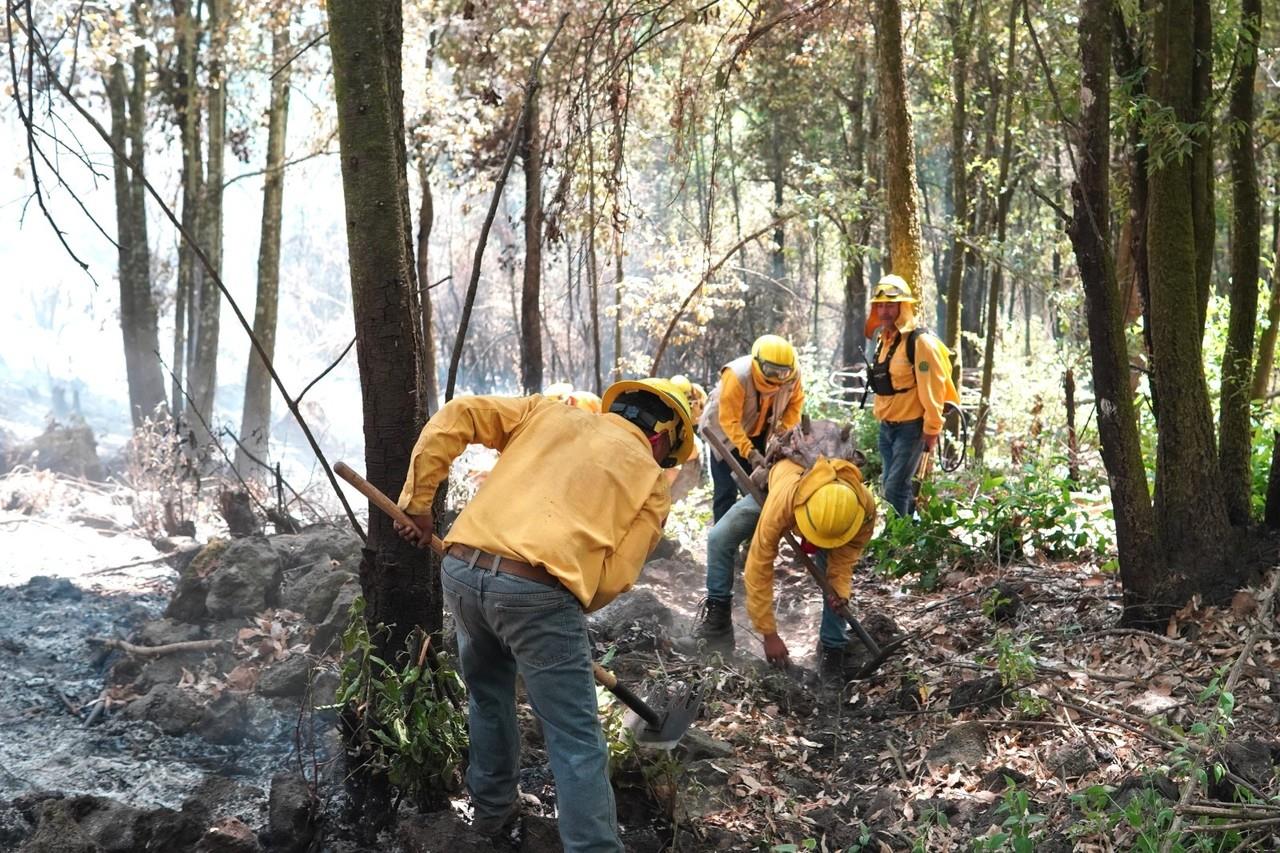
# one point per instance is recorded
(400, 585)
(1234, 427)
(1089, 230)
(1188, 497)
(127, 100)
(255, 417)
(426, 220)
(899, 147)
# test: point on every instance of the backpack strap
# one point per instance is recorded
(911, 344)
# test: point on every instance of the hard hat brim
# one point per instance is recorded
(686, 450)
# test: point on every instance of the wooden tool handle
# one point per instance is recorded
(381, 501)
(610, 682)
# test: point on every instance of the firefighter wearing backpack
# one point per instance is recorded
(758, 395)
(911, 378)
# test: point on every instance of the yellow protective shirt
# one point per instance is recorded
(789, 485)
(733, 400)
(575, 492)
(928, 381)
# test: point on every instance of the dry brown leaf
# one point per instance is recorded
(1243, 604)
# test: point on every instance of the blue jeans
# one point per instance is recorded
(507, 624)
(737, 526)
(725, 491)
(901, 446)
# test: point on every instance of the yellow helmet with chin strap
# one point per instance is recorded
(893, 288)
(584, 400)
(666, 410)
(774, 358)
(831, 516)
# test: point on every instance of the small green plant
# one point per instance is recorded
(929, 819)
(1015, 663)
(993, 602)
(1018, 829)
(402, 714)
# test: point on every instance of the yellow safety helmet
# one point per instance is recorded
(893, 288)
(679, 429)
(558, 391)
(831, 516)
(584, 400)
(774, 359)
(682, 382)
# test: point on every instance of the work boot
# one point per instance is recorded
(831, 664)
(715, 626)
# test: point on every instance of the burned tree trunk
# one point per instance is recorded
(531, 292)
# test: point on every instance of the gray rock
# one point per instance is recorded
(1071, 762)
(229, 835)
(703, 790)
(335, 622)
(67, 449)
(639, 608)
(291, 810)
(288, 677)
(247, 579)
(174, 710)
(319, 542)
(224, 720)
(965, 743)
(162, 632)
(312, 592)
(188, 601)
(696, 745)
(441, 832)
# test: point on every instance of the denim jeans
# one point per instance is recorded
(901, 446)
(725, 491)
(737, 526)
(507, 624)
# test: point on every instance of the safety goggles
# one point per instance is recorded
(890, 292)
(773, 370)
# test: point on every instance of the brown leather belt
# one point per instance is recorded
(900, 423)
(505, 565)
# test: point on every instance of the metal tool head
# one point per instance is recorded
(675, 719)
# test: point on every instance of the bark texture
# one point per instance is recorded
(255, 420)
(900, 158)
(1104, 309)
(127, 100)
(531, 291)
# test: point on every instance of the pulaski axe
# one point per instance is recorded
(877, 652)
(661, 730)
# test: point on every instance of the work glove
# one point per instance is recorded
(420, 534)
(760, 478)
(837, 603)
(775, 651)
(756, 458)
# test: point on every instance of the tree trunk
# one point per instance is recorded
(1234, 428)
(1004, 196)
(960, 32)
(593, 267)
(1267, 344)
(400, 586)
(531, 293)
(778, 267)
(138, 321)
(426, 219)
(900, 157)
(1201, 110)
(187, 100)
(1117, 420)
(1188, 500)
(202, 372)
(854, 233)
(255, 421)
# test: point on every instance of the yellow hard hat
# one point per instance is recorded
(682, 382)
(774, 358)
(558, 391)
(584, 400)
(893, 288)
(831, 516)
(679, 428)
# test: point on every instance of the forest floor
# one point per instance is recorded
(1019, 719)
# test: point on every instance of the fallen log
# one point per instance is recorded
(156, 651)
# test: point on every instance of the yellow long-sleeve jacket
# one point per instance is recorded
(790, 485)
(744, 412)
(574, 492)
(928, 381)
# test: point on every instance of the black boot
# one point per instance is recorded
(716, 626)
(831, 663)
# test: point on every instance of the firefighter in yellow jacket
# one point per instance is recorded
(561, 527)
(911, 378)
(758, 395)
(834, 514)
